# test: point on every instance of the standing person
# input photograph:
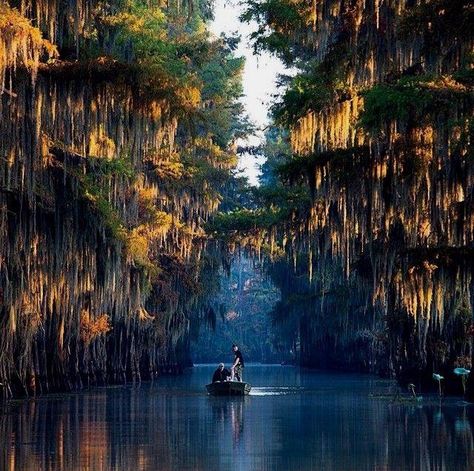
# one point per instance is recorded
(237, 367)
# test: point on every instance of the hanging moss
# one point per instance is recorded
(106, 176)
(379, 121)
(21, 44)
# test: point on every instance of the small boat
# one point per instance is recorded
(228, 388)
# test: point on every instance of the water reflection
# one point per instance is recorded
(228, 412)
(294, 420)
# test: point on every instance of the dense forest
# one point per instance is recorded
(118, 124)
(120, 208)
(243, 303)
(368, 216)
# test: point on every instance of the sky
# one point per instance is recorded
(259, 77)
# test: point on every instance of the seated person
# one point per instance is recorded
(221, 374)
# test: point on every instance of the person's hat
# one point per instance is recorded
(221, 364)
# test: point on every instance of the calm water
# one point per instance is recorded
(294, 420)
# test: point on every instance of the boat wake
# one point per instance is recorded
(275, 391)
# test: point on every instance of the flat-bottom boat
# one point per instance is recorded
(228, 388)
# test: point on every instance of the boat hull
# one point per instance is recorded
(228, 388)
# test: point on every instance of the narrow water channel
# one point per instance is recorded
(293, 420)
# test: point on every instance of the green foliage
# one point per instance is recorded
(237, 194)
(94, 189)
(282, 15)
(97, 196)
(202, 168)
(465, 74)
(418, 99)
(220, 76)
(201, 171)
(283, 29)
(305, 93)
(273, 209)
(166, 53)
(255, 212)
(169, 55)
(243, 221)
(344, 164)
(140, 34)
(121, 166)
(174, 58)
(223, 116)
(225, 122)
(439, 18)
(315, 88)
(276, 151)
(385, 103)
(286, 199)
(278, 22)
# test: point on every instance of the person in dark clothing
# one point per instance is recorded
(221, 374)
(238, 366)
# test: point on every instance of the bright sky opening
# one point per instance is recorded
(259, 78)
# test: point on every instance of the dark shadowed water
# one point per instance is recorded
(293, 420)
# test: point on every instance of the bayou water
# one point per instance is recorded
(293, 420)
